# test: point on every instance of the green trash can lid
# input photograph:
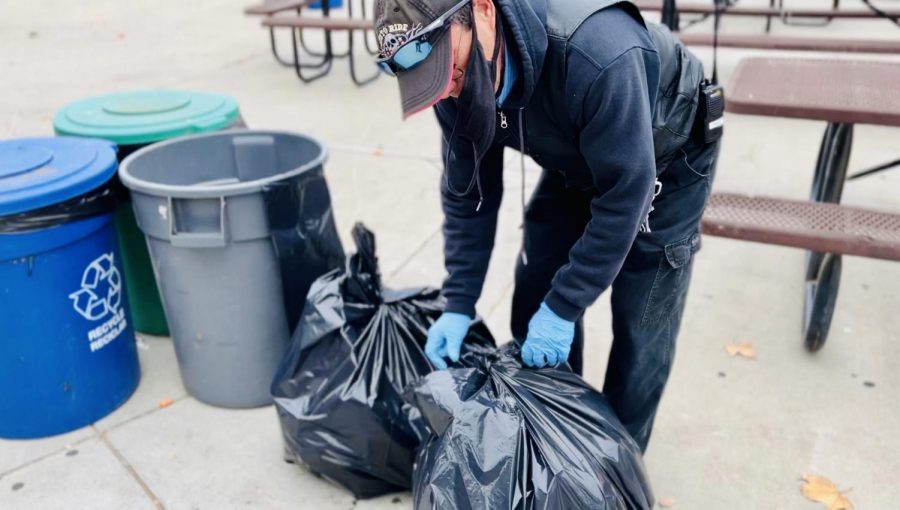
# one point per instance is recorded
(147, 116)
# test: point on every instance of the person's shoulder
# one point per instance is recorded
(609, 33)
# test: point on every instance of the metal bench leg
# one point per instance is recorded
(353, 75)
(324, 65)
(278, 59)
(823, 270)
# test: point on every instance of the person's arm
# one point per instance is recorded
(617, 142)
(469, 230)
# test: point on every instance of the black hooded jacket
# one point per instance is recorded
(606, 100)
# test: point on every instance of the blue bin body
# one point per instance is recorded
(332, 4)
(67, 349)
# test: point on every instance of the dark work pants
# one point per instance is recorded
(648, 295)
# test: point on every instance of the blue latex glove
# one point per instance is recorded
(445, 338)
(549, 339)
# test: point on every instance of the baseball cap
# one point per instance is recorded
(425, 70)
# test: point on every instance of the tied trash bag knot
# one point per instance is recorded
(505, 436)
(339, 390)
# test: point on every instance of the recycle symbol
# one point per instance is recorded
(101, 289)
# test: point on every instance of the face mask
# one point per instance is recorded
(476, 111)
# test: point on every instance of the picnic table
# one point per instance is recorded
(842, 93)
(296, 23)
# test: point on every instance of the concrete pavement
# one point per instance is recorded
(732, 433)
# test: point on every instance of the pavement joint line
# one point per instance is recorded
(46, 456)
(128, 467)
(143, 414)
(97, 433)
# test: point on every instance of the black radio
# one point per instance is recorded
(711, 110)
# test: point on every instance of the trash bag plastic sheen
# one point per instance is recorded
(101, 200)
(303, 232)
(508, 437)
(339, 389)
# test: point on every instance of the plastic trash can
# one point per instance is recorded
(225, 216)
(67, 350)
(133, 120)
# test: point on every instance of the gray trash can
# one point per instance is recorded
(236, 224)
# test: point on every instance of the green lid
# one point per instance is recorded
(139, 117)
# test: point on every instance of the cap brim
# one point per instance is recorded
(423, 86)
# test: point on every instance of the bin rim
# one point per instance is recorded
(138, 117)
(206, 191)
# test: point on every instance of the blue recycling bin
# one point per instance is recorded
(67, 348)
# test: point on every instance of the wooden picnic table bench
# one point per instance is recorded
(841, 93)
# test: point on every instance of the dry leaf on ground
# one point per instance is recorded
(745, 350)
(666, 503)
(822, 490)
(166, 402)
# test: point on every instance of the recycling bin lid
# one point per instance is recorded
(38, 172)
(146, 116)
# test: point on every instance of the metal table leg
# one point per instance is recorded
(359, 82)
(278, 58)
(787, 20)
(823, 270)
(769, 18)
(294, 33)
(324, 64)
(328, 53)
(669, 15)
(875, 170)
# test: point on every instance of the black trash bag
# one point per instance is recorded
(99, 201)
(301, 225)
(508, 437)
(339, 389)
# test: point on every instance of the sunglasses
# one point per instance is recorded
(414, 51)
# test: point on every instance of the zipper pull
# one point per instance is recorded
(503, 123)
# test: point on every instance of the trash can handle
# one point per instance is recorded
(196, 239)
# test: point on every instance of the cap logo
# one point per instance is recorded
(392, 37)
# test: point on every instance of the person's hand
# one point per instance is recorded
(445, 338)
(549, 339)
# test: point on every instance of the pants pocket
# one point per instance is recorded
(672, 278)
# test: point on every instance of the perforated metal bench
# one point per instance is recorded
(270, 8)
(770, 11)
(323, 23)
(790, 43)
(842, 93)
(828, 230)
(816, 226)
(671, 11)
